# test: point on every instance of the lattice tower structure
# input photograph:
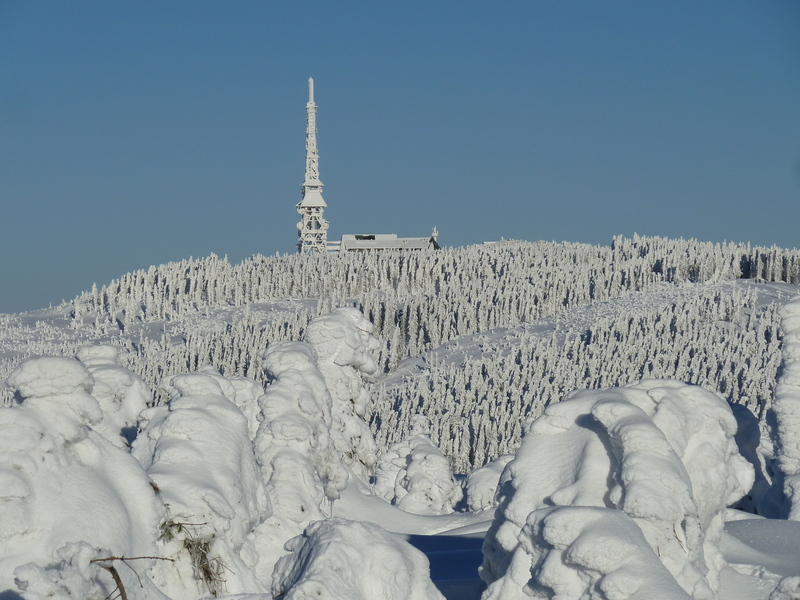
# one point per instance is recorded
(312, 228)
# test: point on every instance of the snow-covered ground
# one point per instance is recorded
(165, 457)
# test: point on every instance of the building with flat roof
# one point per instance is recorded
(384, 241)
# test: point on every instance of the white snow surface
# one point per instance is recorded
(359, 503)
(60, 481)
(416, 476)
(337, 558)
(197, 451)
(660, 451)
(343, 342)
(622, 499)
(787, 411)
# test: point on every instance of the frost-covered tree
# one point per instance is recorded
(337, 558)
(787, 415)
(662, 452)
(715, 336)
(482, 484)
(121, 393)
(79, 571)
(343, 343)
(416, 476)
(210, 312)
(198, 453)
(298, 461)
(242, 391)
(447, 294)
(312, 435)
(589, 552)
(61, 482)
(74, 576)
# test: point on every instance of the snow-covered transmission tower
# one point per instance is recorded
(312, 228)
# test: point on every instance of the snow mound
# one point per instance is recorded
(787, 412)
(198, 452)
(482, 483)
(81, 572)
(343, 343)
(660, 451)
(578, 551)
(60, 481)
(337, 559)
(299, 464)
(242, 391)
(58, 389)
(788, 589)
(75, 576)
(416, 476)
(121, 393)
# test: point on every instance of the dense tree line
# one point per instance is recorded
(180, 316)
(716, 337)
(421, 300)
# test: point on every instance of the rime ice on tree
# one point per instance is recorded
(312, 228)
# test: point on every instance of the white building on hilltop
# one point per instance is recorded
(313, 228)
(385, 241)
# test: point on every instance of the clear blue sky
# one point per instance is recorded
(137, 133)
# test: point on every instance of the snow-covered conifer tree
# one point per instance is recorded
(416, 476)
(787, 413)
(299, 464)
(61, 482)
(336, 558)
(343, 343)
(121, 393)
(653, 473)
(482, 484)
(198, 453)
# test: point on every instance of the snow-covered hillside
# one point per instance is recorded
(267, 411)
(487, 335)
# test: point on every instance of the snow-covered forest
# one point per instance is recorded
(247, 415)
(534, 298)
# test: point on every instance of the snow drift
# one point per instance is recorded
(61, 482)
(197, 451)
(787, 413)
(661, 452)
(337, 559)
(416, 476)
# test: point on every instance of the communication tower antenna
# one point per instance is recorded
(312, 228)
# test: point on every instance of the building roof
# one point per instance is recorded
(385, 241)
